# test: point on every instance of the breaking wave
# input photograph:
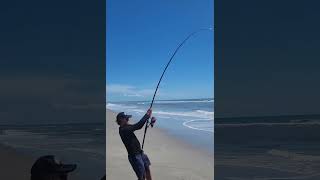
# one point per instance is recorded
(119, 106)
(202, 125)
(196, 114)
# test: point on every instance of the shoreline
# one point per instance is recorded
(24, 149)
(171, 158)
(178, 140)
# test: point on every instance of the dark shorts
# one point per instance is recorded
(139, 163)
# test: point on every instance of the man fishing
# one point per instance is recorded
(137, 158)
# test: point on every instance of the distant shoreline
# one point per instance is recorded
(190, 121)
(148, 100)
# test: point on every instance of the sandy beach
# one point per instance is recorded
(82, 144)
(171, 159)
(15, 166)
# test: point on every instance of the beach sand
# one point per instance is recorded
(171, 159)
(14, 166)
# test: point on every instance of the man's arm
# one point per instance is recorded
(140, 124)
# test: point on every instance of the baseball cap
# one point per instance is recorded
(123, 115)
(48, 165)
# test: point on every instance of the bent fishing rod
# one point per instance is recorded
(165, 69)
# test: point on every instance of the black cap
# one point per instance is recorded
(123, 115)
(49, 165)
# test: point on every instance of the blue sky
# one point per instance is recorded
(141, 37)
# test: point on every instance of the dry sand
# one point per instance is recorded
(14, 166)
(171, 159)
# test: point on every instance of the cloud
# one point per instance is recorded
(128, 90)
(133, 95)
(118, 88)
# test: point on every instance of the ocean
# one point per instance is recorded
(82, 144)
(267, 147)
(190, 120)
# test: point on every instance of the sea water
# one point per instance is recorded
(81, 144)
(267, 147)
(190, 120)
(84, 143)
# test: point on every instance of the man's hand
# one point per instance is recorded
(149, 112)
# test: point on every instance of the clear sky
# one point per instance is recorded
(141, 37)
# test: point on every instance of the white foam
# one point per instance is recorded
(267, 124)
(201, 125)
(196, 114)
(186, 101)
(138, 110)
(119, 106)
(293, 155)
(87, 150)
(17, 133)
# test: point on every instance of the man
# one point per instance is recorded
(138, 160)
(47, 168)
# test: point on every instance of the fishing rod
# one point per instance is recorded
(165, 69)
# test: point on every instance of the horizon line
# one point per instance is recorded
(212, 98)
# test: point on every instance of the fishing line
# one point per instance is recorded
(165, 69)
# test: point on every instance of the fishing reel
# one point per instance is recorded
(153, 120)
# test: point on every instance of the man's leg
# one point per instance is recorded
(148, 173)
(138, 166)
(147, 164)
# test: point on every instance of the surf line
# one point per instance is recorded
(186, 124)
(147, 124)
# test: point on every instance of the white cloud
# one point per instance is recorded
(133, 95)
(119, 88)
(128, 90)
